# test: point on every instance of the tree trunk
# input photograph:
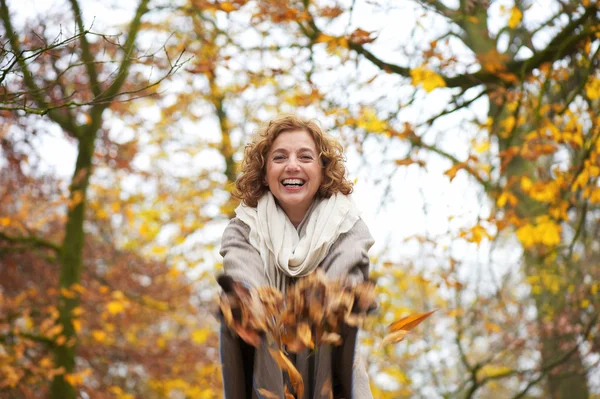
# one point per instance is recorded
(70, 267)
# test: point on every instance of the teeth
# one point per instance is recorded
(297, 182)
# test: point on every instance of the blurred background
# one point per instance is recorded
(471, 130)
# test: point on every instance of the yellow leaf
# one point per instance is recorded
(493, 327)
(490, 370)
(397, 374)
(323, 38)
(78, 311)
(526, 234)
(526, 183)
(77, 325)
(592, 89)
(67, 293)
(115, 307)
(227, 6)
(159, 250)
(585, 303)
(200, 336)
(99, 335)
(5, 221)
(427, 79)
(482, 147)
(515, 18)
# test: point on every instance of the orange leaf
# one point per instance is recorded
(286, 365)
(409, 322)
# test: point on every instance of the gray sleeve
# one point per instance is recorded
(348, 257)
(241, 260)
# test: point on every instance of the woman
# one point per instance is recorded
(295, 217)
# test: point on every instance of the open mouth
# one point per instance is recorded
(293, 182)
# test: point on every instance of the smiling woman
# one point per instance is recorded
(295, 217)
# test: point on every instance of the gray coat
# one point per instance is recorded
(246, 369)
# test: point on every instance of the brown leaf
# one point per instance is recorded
(285, 364)
(394, 337)
(305, 335)
(409, 322)
(327, 388)
(267, 394)
(331, 338)
(249, 336)
(226, 309)
(360, 36)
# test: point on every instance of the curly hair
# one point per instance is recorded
(249, 186)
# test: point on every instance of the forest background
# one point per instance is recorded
(471, 129)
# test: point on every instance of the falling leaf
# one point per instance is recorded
(394, 337)
(286, 365)
(267, 394)
(409, 322)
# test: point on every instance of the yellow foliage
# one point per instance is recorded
(592, 88)
(115, 307)
(544, 192)
(227, 6)
(545, 232)
(482, 146)
(159, 250)
(99, 335)
(369, 121)
(200, 336)
(476, 234)
(397, 374)
(67, 293)
(76, 379)
(118, 392)
(490, 370)
(585, 303)
(515, 18)
(526, 183)
(427, 79)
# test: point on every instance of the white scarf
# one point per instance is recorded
(283, 251)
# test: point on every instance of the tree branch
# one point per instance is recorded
(33, 241)
(87, 56)
(563, 44)
(123, 70)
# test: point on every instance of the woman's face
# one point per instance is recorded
(294, 172)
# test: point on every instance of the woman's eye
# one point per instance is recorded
(309, 157)
(278, 158)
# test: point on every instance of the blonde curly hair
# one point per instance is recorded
(249, 186)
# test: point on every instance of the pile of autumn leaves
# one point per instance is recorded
(311, 313)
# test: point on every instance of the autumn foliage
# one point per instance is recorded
(472, 127)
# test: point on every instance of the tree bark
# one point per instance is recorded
(71, 261)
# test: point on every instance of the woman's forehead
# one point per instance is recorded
(294, 140)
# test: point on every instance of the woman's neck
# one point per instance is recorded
(295, 215)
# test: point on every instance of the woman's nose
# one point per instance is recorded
(292, 164)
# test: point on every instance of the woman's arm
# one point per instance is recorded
(241, 260)
(348, 258)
